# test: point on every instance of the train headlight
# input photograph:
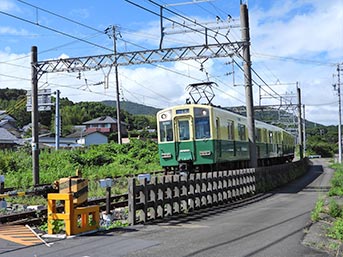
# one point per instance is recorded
(165, 115)
(204, 113)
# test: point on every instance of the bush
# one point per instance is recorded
(95, 162)
(336, 231)
(334, 209)
(317, 210)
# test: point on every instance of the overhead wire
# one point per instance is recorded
(54, 30)
(192, 21)
(184, 17)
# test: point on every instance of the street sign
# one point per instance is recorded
(44, 100)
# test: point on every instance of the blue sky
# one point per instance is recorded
(297, 41)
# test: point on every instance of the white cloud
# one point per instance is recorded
(310, 34)
(7, 5)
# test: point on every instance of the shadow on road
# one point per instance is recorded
(305, 182)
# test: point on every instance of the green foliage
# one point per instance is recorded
(334, 209)
(27, 200)
(337, 182)
(95, 162)
(322, 140)
(336, 231)
(317, 210)
(58, 226)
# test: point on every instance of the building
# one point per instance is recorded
(86, 138)
(7, 140)
(105, 124)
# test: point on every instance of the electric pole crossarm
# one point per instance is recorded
(138, 57)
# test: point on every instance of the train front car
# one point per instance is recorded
(185, 139)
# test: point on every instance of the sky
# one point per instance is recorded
(293, 43)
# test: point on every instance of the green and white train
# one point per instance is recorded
(194, 137)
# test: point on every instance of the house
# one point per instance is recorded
(50, 142)
(86, 138)
(9, 123)
(7, 117)
(105, 124)
(7, 140)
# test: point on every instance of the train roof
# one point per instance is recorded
(258, 123)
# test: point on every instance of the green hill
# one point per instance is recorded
(133, 108)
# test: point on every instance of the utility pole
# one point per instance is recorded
(34, 116)
(57, 121)
(300, 126)
(114, 37)
(304, 130)
(339, 113)
(248, 84)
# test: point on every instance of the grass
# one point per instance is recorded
(317, 210)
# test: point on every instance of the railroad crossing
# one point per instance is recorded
(19, 234)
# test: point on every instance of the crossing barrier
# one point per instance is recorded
(77, 220)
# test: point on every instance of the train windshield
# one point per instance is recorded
(166, 131)
(202, 127)
(202, 123)
(183, 129)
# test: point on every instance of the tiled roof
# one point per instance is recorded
(80, 134)
(102, 120)
(6, 136)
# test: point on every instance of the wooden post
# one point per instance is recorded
(132, 201)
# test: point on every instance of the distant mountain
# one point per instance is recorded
(134, 108)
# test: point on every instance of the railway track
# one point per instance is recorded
(36, 217)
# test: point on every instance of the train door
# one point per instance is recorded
(184, 139)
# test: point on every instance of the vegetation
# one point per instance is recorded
(329, 210)
(95, 162)
(322, 140)
(14, 102)
(317, 210)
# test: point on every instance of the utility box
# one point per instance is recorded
(77, 186)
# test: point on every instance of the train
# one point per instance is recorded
(199, 137)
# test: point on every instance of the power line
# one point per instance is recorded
(54, 30)
(61, 16)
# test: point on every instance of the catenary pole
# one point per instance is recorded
(339, 114)
(300, 125)
(248, 84)
(114, 36)
(57, 121)
(34, 116)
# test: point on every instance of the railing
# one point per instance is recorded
(172, 195)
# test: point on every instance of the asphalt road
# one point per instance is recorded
(271, 227)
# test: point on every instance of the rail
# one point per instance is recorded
(117, 201)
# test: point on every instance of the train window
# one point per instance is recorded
(271, 137)
(166, 131)
(258, 135)
(183, 129)
(241, 132)
(230, 130)
(202, 127)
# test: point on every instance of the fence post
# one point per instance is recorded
(143, 196)
(191, 192)
(132, 201)
(154, 197)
